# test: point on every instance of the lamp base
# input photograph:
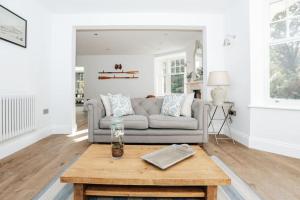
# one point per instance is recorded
(218, 96)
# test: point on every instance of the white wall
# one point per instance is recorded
(257, 124)
(237, 61)
(273, 129)
(140, 87)
(64, 52)
(32, 71)
(26, 70)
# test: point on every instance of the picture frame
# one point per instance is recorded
(13, 28)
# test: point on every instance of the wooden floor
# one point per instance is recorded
(25, 173)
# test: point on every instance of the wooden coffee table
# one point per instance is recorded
(97, 174)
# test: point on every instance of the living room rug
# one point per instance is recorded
(238, 190)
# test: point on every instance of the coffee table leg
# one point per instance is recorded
(79, 192)
(211, 193)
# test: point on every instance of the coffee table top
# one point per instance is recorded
(96, 166)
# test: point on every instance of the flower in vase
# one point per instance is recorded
(119, 133)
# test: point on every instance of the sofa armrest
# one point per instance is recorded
(96, 111)
(199, 112)
(205, 124)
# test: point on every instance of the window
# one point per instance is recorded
(173, 73)
(284, 79)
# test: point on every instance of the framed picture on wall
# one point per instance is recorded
(13, 28)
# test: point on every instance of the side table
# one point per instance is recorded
(225, 107)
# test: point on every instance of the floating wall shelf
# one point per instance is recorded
(108, 75)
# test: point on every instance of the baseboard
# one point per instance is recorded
(74, 129)
(61, 129)
(240, 136)
(275, 146)
(15, 144)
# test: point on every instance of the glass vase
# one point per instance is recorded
(117, 138)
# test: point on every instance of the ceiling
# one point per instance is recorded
(135, 6)
(134, 42)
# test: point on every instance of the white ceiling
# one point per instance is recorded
(136, 6)
(134, 42)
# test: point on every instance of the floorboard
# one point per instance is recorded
(25, 173)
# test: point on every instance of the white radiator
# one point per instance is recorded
(17, 115)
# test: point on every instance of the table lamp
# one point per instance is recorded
(219, 79)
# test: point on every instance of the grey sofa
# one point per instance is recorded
(148, 125)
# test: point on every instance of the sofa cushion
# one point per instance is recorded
(130, 122)
(186, 108)
(106, 104)
(169, 122)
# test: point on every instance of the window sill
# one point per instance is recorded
(275, 107)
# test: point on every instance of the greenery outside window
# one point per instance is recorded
(174, 73)
(284, 77)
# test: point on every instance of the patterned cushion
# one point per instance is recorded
(172, 105)
(120, 105)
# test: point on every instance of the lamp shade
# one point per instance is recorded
(218, 78)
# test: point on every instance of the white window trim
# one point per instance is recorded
(276, 102)
(169, 72)
(168, 58)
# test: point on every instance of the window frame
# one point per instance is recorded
(277, 102)
(167, 77)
